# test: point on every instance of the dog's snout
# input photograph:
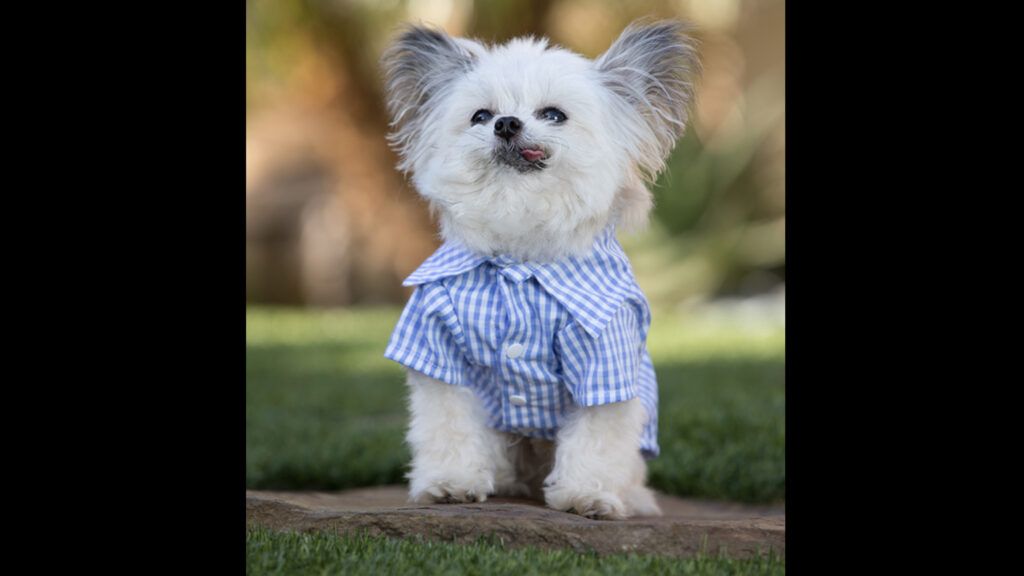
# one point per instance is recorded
(507, 126)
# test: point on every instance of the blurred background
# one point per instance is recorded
(332, 229)
(329, 222)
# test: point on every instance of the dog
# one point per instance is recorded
(525, 337)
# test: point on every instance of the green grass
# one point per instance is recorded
(325, 409)
(319, 553)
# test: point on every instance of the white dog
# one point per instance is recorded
(525, 339)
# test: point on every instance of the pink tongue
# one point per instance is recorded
(532, 155)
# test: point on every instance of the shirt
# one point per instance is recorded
(532, 340)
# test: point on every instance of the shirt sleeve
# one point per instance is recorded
(606, 368)
(428, 337)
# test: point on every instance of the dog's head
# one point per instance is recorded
(531, 150)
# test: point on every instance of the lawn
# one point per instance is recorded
(325, 410)
(290, 553)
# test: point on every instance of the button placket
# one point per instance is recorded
(513, 352)
(513, 347)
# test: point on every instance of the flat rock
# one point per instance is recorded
(687, 528)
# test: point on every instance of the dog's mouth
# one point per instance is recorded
(532, 154)
(521, 156)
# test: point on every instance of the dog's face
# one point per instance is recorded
(530, 150)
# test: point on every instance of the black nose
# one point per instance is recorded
(507, 127)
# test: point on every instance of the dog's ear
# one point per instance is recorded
(418, 67)
(651, 69)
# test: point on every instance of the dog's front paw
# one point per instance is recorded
(451, 488)
(592, 503)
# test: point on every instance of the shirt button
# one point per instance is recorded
(517, 400)
(514, 350)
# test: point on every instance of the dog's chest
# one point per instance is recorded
(509, 322)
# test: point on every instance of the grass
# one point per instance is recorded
(288, 553)
(325, 410)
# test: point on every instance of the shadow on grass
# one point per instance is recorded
(330, 416)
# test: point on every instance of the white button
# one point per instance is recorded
(514, 350)
(517, 400)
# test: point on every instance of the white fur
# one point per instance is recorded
(456, 456)
(495, 209)
(598, 470)
(625, 111)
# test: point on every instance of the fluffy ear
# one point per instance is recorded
(651, 70)
(418, 68)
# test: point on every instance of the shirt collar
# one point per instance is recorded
(591, 287)
(451, 259)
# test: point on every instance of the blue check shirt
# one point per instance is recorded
(532, 340)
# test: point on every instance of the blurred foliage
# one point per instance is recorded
(719, 222)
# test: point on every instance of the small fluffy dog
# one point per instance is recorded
(525, 339)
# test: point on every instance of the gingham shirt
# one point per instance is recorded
(531, 340)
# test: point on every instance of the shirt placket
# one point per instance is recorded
(516, 401)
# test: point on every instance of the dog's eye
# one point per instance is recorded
(481, 116)
(552, 115)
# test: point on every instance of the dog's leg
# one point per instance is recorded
(599, 471)
(456, 457)
(638, 498)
